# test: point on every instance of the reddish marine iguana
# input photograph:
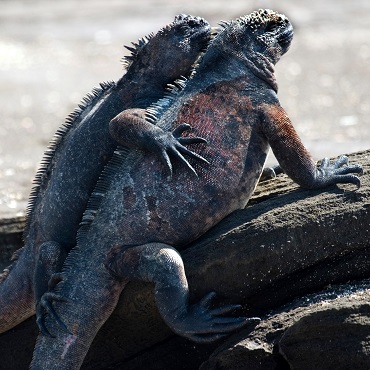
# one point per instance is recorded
(137, 213)
(76, 157)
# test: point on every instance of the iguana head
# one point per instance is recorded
(173, 50)
(263, 33)
(250, 44)
(268, 32)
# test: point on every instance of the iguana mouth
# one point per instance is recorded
(286, 36)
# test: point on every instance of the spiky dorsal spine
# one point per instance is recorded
(43, 173)
(135, 50)
(72, 119)
(156, 110)
(101, 188)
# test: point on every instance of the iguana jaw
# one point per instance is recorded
(285, 38)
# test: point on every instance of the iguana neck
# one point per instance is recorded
(255, 63)
(259, 65)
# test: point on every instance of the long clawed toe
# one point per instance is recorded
(183, 127)
(340, 162)
(177, 153)
(218, 325)
(180, 129)
(40, 321)
(55, 279)
(174, 145)
(341, 172)
(223, 329)
(46, 307)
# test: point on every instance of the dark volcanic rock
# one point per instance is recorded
(333, 338)
(330, 330)
(288, 242)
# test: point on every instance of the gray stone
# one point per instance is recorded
(288, 242)
(329, 330)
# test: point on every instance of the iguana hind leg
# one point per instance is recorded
(162, 264)
(20, 292)
(84, 302)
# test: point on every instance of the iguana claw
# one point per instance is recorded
(54, 280)
(40, 321)
(204, 324)
(173, 143)
(339, 171)
(45, 306)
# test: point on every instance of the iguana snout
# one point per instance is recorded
(274, 30)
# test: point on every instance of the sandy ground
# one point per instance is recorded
(53, 53)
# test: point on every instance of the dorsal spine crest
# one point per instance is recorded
(46, 163)
(135, 50)
(100, 190)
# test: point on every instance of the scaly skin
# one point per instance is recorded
(129, 232)
(78, 154)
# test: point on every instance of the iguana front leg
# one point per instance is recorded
(294, 158)
(162, 264)
(131, 129)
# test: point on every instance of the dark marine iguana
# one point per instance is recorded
(137, 213)
(78, 153)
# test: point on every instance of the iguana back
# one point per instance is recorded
(78, 153)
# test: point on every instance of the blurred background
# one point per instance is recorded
(53, 52)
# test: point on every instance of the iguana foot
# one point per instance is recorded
(46, 307)
(130, 128)
(269, 173)
(176, 147)
(200, 323)
(41, 303)
(50, 259)
(338, 172)
(165, 143)
(54, 280)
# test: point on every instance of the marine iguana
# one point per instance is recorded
(76, 157)
(137, 213)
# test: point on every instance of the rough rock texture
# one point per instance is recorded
(288, 242)
(329, 330)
